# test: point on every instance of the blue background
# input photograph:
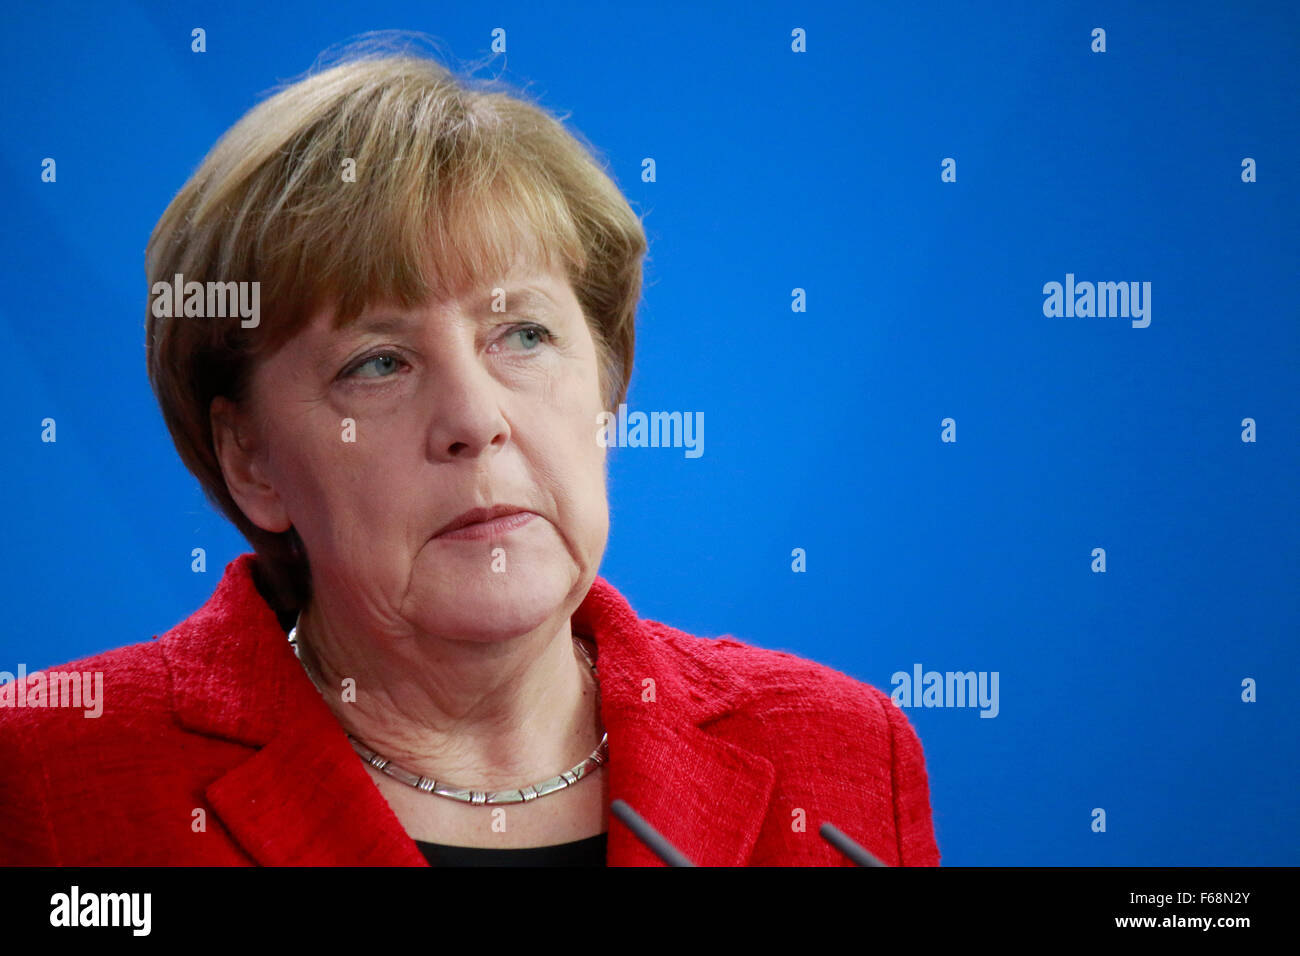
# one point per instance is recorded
(819, 171)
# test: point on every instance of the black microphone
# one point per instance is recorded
(649, 835)
(854, 851)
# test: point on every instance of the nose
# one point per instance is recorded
(466, 419)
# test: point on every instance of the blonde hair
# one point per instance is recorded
(448, 169)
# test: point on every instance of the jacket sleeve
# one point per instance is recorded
(913, 818)
(26, 833)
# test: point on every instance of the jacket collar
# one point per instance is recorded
(297, 800)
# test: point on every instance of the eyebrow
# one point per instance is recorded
(400, 322)
(525, 297)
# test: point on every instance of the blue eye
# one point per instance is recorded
(376, 362)
(386, 364)
(538, 336)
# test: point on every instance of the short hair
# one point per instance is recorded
(447, 169)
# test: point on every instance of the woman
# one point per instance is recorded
(385, 316)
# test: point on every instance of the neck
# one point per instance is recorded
(491, 714)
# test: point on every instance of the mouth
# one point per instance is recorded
(486, 522)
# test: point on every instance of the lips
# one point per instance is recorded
(478, 515)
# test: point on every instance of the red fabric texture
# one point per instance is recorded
(214, 748)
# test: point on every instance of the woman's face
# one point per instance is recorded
(370, 440)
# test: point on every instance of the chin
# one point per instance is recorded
(485, 605)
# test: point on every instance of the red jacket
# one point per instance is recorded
(218, 716)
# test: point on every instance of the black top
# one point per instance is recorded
(588, 852)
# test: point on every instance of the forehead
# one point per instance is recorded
(527, 288)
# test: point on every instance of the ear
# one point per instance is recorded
(238, 450)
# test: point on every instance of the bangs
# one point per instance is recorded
(427, 219)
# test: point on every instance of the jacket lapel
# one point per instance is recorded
(707, 796)
(301, 801)
(303, 797)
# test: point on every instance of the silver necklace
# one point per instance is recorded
(465, 794)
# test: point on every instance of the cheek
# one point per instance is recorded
(584, 426)
(572, 406)
(574, 455)
(333, 469)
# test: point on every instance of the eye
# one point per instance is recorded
(530, 336)
(375, 366)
